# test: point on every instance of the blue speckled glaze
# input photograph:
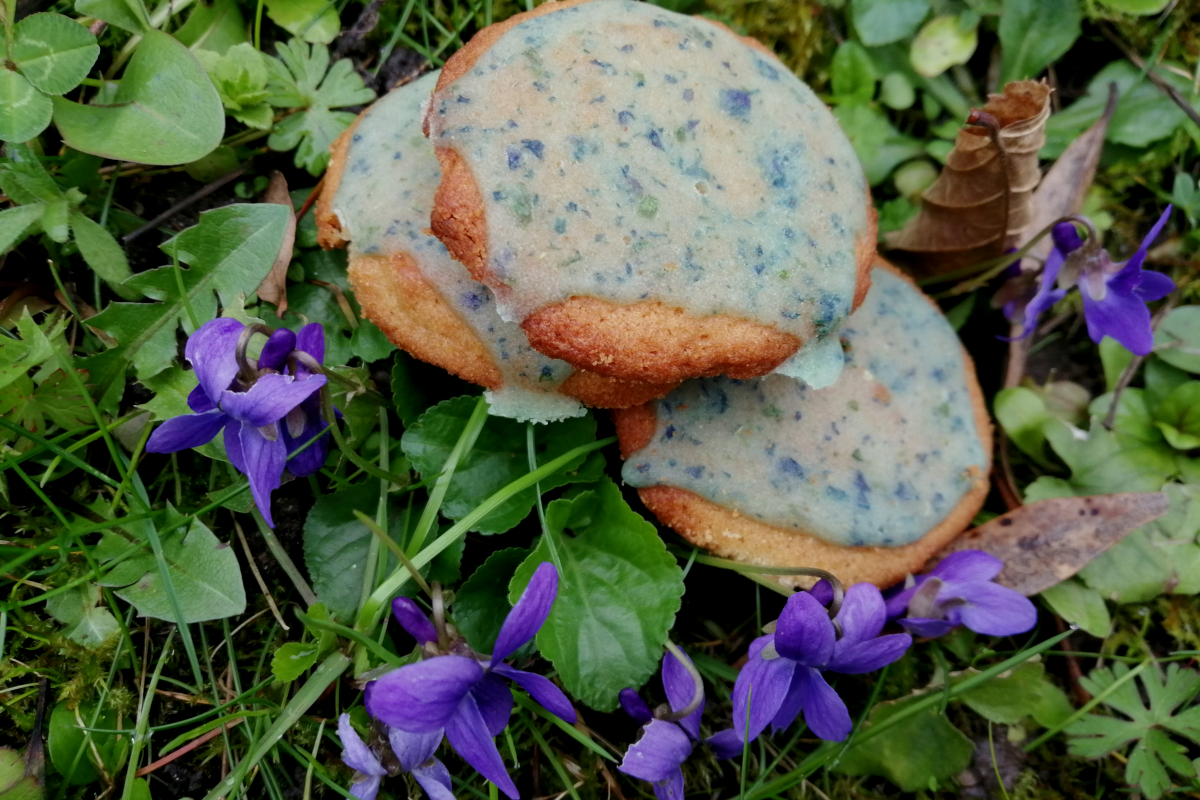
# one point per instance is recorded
(383, 203)
(879, 458)
(631, 153)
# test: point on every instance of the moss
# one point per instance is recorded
(794, 29)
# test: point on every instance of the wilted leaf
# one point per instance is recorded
(1049, 541)
(273, 289)
(962, 217)
(1066, 184)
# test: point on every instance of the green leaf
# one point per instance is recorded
(215, 25)
(879, 146)
(55, 220)
(35, 346)
(314, 21)
(481, 603)
(129, 15)
(1023, 414)
(24, 111)
(942, 43)
(369, 343)
(918, 751)
(165, 110)
(1115, 358)
(618, 595)
(498, 458)
(299, 79)
(308, 301)
(1147, 720)
(24, 179)
(87, 624)
(1143, 8)
(882, 21)
(14, 783)
(336, 545)
(1008, 698)
(1178, 416)
(410, 398)
(1133, 424)
(65, 740)
(204, 572)
(1101, 463)
(53, 52)
(1034, 33)
(18, 223)
(99, 249)
(240, 76)
(1177, 340)
(293, 659)
(229, 252)
(1161, 379)
(852, 74)
(1077, 603)
(896, 91)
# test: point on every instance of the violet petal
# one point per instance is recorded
(1139, 257)
(212, 352)
(680, 689)
(529, 613)
(367, 788)
(311, 339)
(199, 401)
(968, 565)
(190, 430)
(862, 615)
(726, 744)
(1122, 316)
(670, 787)
(422, 697)
(275, 352)
(413, 749)
(434, 778)
(824, 711)
(413, 620)
(792, 702)
(495, 702)
(804, 632)
(1153, 286)
(927, 628)
(233, 444)
(270, 399)
(265, 461)
(355, 753)
(633, 705)
(761, 686)
(541, 689)
(994, 610)
(661, 749)
(468, 734)
(870, 655)
(1066, 237)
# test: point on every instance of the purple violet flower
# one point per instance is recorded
(456, 691)
(664, 745)
(783, 673)
(1114, 295)
(959, 591)
(413, 750)
(248, 404)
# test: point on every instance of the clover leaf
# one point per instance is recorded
(240, 76)
(50, 55)
(1148, 723)
(301, 78)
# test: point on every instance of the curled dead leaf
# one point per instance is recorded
(273, 289)
(1044, 543)
(982, 200)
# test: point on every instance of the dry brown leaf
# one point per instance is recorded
(1066, 184)
(963, 215)
(1044, 543)
(273, 289)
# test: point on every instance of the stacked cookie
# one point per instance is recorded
(600, 202)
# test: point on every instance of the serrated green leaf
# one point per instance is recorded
(129, 15)
(24, 179)
(24, 111)
(1178, 416)
(100, 250)
(229, 252)
(1033, 33)
(204, 572)
(293, 659)
(921, 749)
(618, 595)
(498, 458)
(35, 345)
(53, 52)
(165, 110)
(18, 223)
(65, 739)
(214, 25)
(313, 20)
(481, 603)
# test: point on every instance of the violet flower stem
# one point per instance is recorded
(285, 561)
(697, 696)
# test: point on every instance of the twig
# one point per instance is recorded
(312, 198)
(185, 202)
(258, 576)
(1164, 87)
(189, 747)
(613, 787)
(1080, 694)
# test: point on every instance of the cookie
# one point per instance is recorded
(649, 195)
(377, 195)
(866, 478)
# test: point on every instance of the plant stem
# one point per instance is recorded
(285, 561)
